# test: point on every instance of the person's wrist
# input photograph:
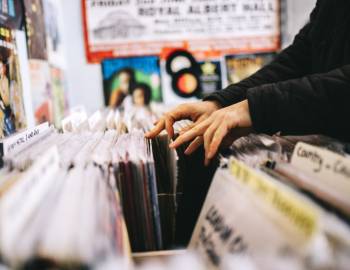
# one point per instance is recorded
(245, 119)
(213, 105)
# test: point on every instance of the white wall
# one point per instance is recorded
(294, 17)
(84, 80)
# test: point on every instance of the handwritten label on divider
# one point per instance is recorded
(302, 215)
(17, 141)
(324, 165)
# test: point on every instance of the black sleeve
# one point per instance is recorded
(317, 103)
(292, 62)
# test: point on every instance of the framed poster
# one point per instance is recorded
(121, 76)
(121, 28)
(12, 114)
(242, 66)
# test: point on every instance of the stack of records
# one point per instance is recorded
(64, 196)
(278, 201)
(60, 217)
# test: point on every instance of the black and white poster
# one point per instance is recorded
(143, 27)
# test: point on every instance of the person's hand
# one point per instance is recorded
(217, 127)
(197, 112)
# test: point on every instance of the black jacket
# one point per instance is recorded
(306, 89)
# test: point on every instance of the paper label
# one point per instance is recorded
(303, 217)
(18, 141)
(326, 166)
(233, 220)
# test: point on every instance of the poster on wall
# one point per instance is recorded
(241, 66)
(115, 28)
(12, 114)
(59, 102)
(181, 76)
(35, 28)
(41, 90)
(11, 13)
(54, 32)
(121, 76)
(210, 76)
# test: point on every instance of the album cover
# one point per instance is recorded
(210, 76)
(12, 114)
(123, 76)
(35, 28)
(59, 102)
(180, 76)
(11, 13)
(54, 32)
(241, 66)
(41, 90)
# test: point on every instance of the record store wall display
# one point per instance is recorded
(114, 28)
(131, 77)
(12, 114)
(46, 52)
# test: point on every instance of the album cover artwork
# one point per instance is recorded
(241, 66)
(11, 13)
(210, 76)
(12, 113)
(59, 102)
(41, 90)
(35, 28)
(124, 76)
(54, 32)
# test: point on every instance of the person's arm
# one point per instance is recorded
(292, 62)
(318, 103)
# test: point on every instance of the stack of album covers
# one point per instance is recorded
(134, 170)
(278, 200)
(314, 164)
(57, 206)
(86, 194)
(143, 164)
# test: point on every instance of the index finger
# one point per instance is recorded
(197, 130)
(180, 112)
(156, 130)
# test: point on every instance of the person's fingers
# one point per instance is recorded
(194, 145)
(156, 130)
(209, 133)
(169, 122)
(219, 135)
(190, 126)
(181, 112)
(197, 130)
(201, 118)
(187, 128)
